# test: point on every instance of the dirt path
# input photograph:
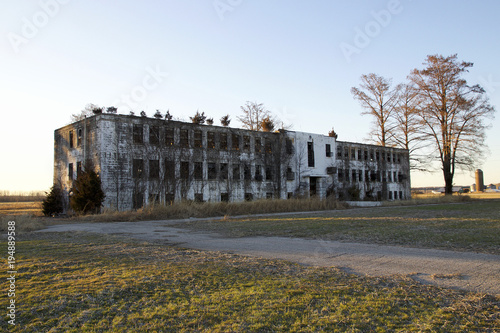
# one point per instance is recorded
(464, 270)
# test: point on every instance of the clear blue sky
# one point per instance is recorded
(56, 56)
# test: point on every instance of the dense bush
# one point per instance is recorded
(53, 203)
(87, 195)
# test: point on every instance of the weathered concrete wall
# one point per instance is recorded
(143, 160)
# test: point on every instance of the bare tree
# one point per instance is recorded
(452, 113)
(253, 114)
(407, 131)
(89, 110)
(379, 100)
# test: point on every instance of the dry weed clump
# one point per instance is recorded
(24, 223)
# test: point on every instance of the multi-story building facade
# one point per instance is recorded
(143, 160)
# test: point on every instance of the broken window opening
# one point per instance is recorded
(328, 150)
(184, 138)
(70, 171)
(223, 141)
(154, 135)
(70, 139)
(137, 168)
(198, 170)
(247, 173)
(154, 169)
(138, 134)
(212, 171)
(198, 139)
(246, 143)
(236, 142)
(79, 138)
(224, 171)
(169, 169)
(258, 145)
(210, 140)
(169, 137)
(185, 170)
(310, 154)
(236, 172)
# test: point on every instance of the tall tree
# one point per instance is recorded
(452, 113)
(253, 115)
(379, 100)
(407, 128)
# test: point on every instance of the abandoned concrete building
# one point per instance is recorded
(144, 160)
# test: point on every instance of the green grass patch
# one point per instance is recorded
(472, 226)
(76, 282)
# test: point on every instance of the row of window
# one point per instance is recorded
(214, 140)
(366, 155)
(71, 170)
(195, 171)
(369, 176)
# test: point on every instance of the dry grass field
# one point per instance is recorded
(21, 208)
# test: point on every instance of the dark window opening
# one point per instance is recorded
(184, 170)
(366, 155)
(211, 171)
(310, 154)
(268, 147)
(169, 137)
(169, 169)
(354, 175)
(346, 153)
(223, 141)
(79, 138)
(138, 200)
(328, 149)
(70, 139)
(258, 173)
(184, 138)
(377, 155)
(154, 169)
(289, 146)
(248, 196)
(395, 195)
(236, 172)
(138, 134)
(78, 169)
(198, 197)
(224, 197)
(401, 195)
(198, 139)
(269, 195)
(353, 154)
(247, 173)
(367, 175)
(360, 175)
(210, 140)
(290, 175)
(169, 198)
(198, 170)
(154, 135)
(137, 168)
(224, 171)
(340, 174)
(236, 142)
(359, 155)
(70, 171)
(269, 173)
(246, 143)
(390, 195)
(258, 145)
(339, 152)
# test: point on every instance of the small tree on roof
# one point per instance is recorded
(225, 121)
(158, 114)
(198, 118)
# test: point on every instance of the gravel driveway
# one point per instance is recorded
(464, 270)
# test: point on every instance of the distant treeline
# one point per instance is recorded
(8, 196)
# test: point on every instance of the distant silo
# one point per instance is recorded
(479, 180)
